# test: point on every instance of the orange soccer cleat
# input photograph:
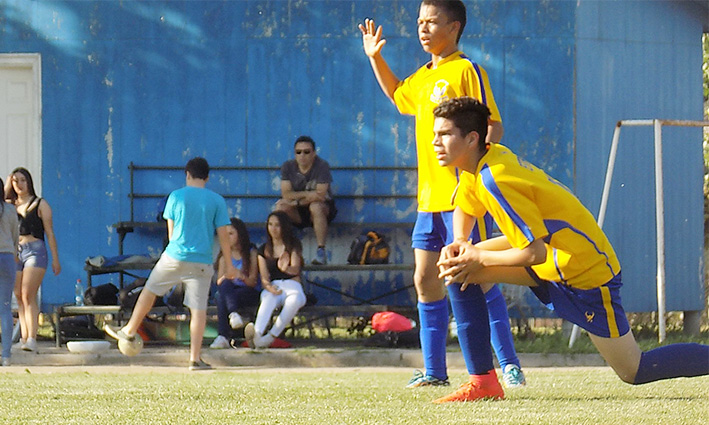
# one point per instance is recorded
(480, 387)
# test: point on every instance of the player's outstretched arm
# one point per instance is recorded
(373, 42)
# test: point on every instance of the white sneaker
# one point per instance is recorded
(5, 362)
(220, 342)
(263, 341)
(30, 345)
(250, 335)
(235, 320)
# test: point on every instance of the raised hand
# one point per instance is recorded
(371, 39)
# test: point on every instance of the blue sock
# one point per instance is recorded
(433, 317)
(470, 312)
(673, 361)
(500, 332)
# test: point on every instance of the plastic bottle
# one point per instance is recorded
(79, 293)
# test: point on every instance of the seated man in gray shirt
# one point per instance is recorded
(306, 194)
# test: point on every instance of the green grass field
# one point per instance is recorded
(141, 395)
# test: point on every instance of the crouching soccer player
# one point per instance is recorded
(550, 243)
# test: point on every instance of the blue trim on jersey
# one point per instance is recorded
(489, 183)
(556, 225)
(483, 95)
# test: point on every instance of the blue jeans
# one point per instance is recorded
(7, 283)
(231, 298)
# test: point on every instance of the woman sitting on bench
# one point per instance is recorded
(280, 262)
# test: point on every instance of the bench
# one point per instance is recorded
(358, 306)
(348, 197)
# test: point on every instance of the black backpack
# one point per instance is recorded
(106, 294)
(369, 248)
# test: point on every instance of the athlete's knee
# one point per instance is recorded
(627, 376)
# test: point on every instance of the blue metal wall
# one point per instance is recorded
(642, 60)
(159, 82)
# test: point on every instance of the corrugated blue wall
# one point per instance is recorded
(158, 82)
(642, 60)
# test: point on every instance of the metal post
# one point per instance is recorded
(575, 331)
(130, 194)
(660, 225)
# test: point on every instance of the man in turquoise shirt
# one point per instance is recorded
(193, 215)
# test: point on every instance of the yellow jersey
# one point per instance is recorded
(527, 204)
(418, 95)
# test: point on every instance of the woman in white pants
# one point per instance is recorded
(280, 261)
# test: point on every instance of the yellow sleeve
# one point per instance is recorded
(464, 196)
(511, 204)
(405, 96)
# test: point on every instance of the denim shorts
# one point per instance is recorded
(33, 254)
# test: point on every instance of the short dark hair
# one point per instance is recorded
(467, 114)
(305, 139)
(198, 168)
(454, 10)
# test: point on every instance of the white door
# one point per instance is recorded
(20, 122)
(20, 115)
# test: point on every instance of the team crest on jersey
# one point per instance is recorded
(439, 91)
(590, 316)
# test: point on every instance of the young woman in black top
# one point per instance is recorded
(280, 261)
(36, 227)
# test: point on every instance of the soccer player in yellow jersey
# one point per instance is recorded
(449, 74)
(550, 243)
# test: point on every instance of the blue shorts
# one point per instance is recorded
(33, 254)
(433, 231)
(597, 310)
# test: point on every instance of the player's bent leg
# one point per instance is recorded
(622, 354)
(433, 318)
(471, 317)
(673, 361)
(635, 367)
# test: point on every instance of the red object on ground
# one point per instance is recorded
(389, 321)
(277, 343)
